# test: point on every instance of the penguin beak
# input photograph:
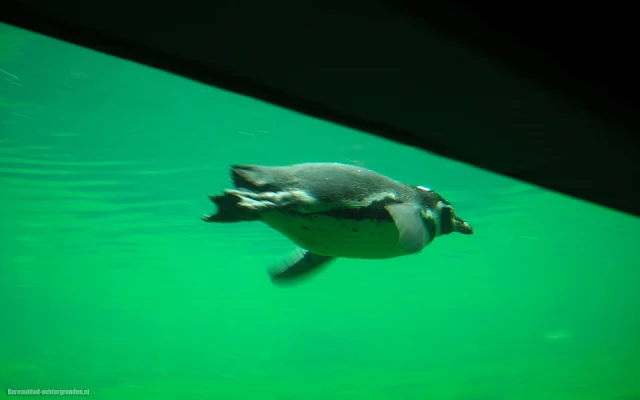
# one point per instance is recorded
(463, 227)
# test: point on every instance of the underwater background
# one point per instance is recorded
(110, 282)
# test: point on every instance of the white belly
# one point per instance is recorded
(338, 238)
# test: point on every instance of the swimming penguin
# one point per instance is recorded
(333, 210)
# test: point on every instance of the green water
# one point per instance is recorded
(109, 281)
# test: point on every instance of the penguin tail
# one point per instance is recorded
(229, 210)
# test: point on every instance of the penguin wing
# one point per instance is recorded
(413, 233)
(297, 264)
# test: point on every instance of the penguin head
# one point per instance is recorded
(448, 220)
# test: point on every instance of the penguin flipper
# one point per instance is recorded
(413, 233)
(298, 264)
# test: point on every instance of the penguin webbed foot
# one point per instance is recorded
(229, 210)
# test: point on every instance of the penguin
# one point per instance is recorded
(334, 210)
